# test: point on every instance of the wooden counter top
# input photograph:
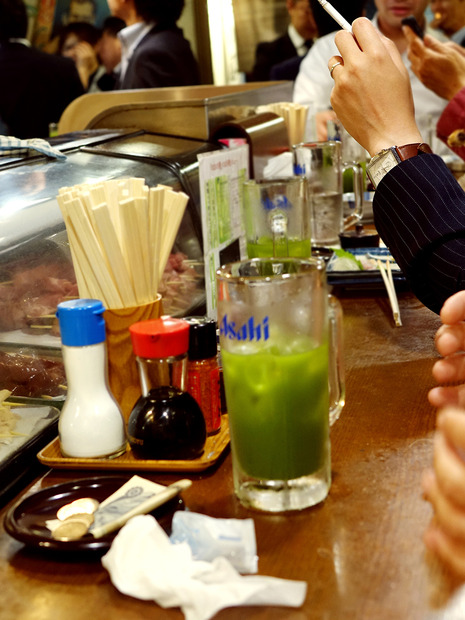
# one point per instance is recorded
(361, 551)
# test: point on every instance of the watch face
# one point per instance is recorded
(381, 165)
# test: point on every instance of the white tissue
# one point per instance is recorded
(142, 562)
(280, 166)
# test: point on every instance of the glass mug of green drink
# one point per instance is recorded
(280, 339)
(276, 217)
(321, 164)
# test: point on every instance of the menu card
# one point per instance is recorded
(221, 175)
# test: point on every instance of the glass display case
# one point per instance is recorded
(36, 270)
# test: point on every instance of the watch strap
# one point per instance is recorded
(410, 150)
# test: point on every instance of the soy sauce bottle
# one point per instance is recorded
(166, 422)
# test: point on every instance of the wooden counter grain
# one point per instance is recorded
(360, 552)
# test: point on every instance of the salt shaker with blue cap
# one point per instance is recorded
(91, 424)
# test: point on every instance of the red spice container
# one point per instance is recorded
(203, 373)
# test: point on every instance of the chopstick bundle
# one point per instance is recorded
(386, 273)
(121, 233)
(294, 115)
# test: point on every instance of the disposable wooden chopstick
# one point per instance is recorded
(89, 285)
(295, 118)
(121, 234)
(97, 260)
(135, 259)
(80, 279)
(109, 240)
(391, 290)
(391, 281)
(142, 214)
(156, 230)
(174, 207)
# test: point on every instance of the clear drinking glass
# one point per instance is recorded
(280, 338)
(321, 164)
(276, 216)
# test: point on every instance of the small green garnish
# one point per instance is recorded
(348, 256)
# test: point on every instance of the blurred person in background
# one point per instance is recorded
(76, 11)
(449, 17)
(37, 86)
(441, 68)
(78, 41)
(154, 51)
(291, 46)
(313, 84)
(109, 52)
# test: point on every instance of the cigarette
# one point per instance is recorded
(343, 23)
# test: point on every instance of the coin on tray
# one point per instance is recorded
(72, 528)
(83, 505)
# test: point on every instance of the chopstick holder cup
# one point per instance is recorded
(123, 375)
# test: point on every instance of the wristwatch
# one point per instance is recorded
(385, 160)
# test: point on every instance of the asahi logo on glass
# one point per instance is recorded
(250, 330)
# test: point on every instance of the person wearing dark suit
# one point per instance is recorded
(154, 51)
(294, 43)
(36, 87)
(286, 70)
(418, 206)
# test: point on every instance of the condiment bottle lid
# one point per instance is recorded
(81, 322)
(202, 337)
(163, 337)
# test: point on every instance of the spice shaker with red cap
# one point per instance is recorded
(203, 372)
(166, 421)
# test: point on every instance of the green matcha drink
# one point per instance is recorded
(278, 411)
(263, 247)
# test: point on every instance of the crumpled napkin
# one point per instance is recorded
(14, 146)
(142, 562)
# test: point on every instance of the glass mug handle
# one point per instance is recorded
(357, 213)
(337, 388)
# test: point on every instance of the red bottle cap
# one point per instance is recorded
(164, 337)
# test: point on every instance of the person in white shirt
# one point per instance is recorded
(314, 84)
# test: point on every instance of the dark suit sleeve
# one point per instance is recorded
(270, 53)
(163, 58)
(419, 211)
(263, 63)
(152, 70)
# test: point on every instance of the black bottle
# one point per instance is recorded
(166, 422)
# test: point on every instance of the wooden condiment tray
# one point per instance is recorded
(215, 445)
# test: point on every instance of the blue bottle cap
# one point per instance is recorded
(81, 322)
